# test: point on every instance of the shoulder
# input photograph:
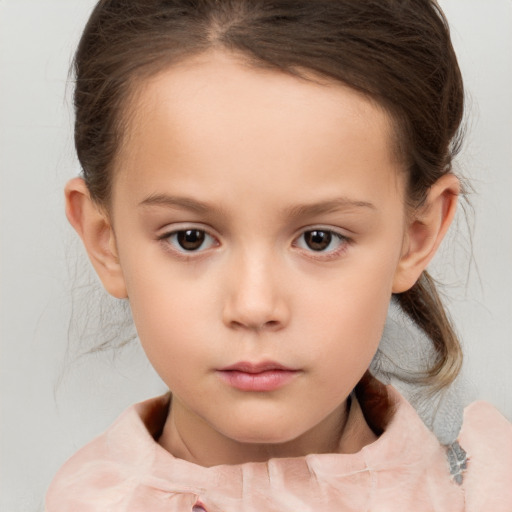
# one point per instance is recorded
(111, 472)
(486, 436)
(98, 474)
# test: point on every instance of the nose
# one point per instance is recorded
(255, 294)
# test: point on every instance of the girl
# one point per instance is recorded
(260, 180)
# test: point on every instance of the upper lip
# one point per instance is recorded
(248, 367)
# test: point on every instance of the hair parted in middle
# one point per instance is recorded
(396, 52)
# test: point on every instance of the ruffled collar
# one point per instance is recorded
(406, 452)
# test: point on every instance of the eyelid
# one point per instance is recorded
(173, 229)
(344, 242)
(342, 233)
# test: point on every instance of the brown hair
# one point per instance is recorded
(397, 52)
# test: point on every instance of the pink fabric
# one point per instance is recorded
(406, 469)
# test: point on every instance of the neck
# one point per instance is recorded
(190, 438)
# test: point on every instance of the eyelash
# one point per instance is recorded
(324, 255)
(172, 236)
(172, 243)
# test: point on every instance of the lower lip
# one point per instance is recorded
(269, 380)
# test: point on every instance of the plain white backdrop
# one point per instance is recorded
(52, 405)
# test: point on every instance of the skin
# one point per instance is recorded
(255, 159)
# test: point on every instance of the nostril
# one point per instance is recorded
(270, 325)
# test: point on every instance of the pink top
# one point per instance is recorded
(406, 469)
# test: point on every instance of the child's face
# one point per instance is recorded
(294, 208)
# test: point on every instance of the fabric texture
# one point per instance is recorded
(399, 362)
(405, 469)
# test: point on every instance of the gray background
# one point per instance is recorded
(53, 403)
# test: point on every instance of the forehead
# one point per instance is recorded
(215, 117)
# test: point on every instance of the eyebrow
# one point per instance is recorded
(332, 205)
(177, 201)
(303, 210)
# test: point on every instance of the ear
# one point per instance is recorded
(425, 231)
(94, 228)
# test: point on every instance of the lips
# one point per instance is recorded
(256, 367)
(257, 377)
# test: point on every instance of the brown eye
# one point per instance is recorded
(191, 239)
(325, 242)
(318, 240)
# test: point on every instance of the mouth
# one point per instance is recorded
(259, 377)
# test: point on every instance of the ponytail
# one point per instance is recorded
(423, 305)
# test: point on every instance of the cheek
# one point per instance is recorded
(178, 319)
(349, 314)
(350, 339)
(165, 315)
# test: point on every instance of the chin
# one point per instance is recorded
(269, 433)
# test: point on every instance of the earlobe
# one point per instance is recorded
(94, 228)
(426, 229)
